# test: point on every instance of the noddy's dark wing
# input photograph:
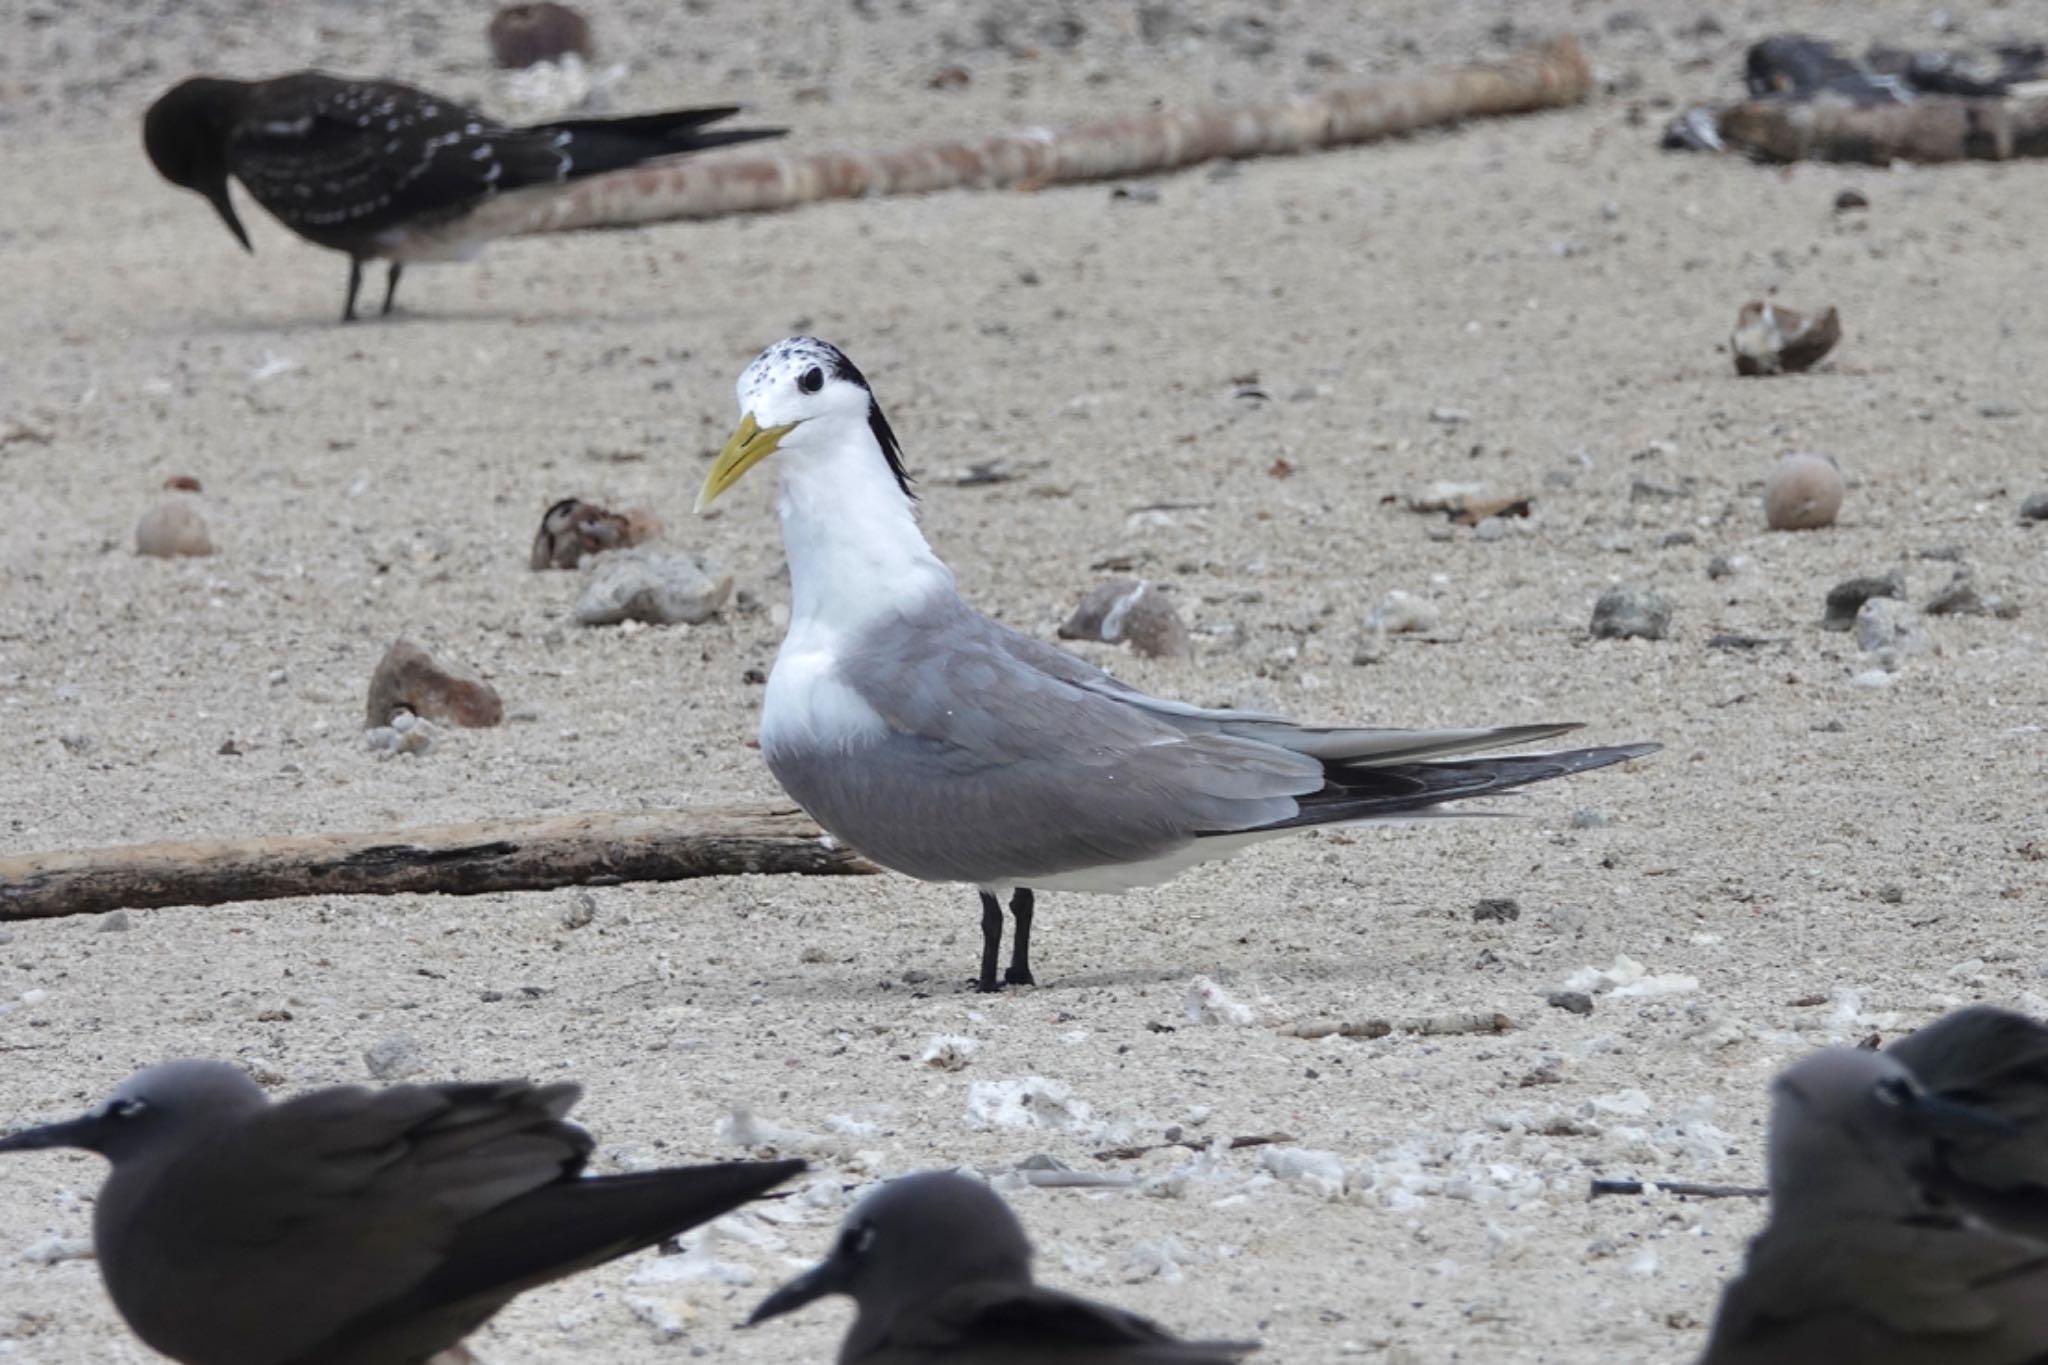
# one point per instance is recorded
(1997, 1061)
(340, 161)
(555, 1231)
(1879, 1292)
(1007, 1324)
(266, 1244)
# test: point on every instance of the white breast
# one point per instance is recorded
(807, 707)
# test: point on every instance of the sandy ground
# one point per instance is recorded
(1813, 859)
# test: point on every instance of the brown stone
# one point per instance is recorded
(1773, 340)
(408, 679)
(573, 530)
(1129, 609)
(526, 35)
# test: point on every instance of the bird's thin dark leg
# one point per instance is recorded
(391, 286)
(355, 284)
(991, 942)
(1020, 946)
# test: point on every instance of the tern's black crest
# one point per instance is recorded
(885, 435)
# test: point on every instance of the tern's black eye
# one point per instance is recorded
(811, 380)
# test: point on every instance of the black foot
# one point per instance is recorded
(1019, 973)
(391, 286)
(355, 286)
(991, 943)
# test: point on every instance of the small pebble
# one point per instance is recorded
(172, 529)
(661, 588)
(115, 922)
(1959, 598)
(1673, 539)
(1846, 598)
(1403, 613)
(1571, 1002)
(526, 35)
(409, 681)
(393, 1058)
(1851, 199)
(1496, 910)
(1889, 630)
(1490, 529)
(1133, 610)
(1773, 340)
(2035, 508)
(1803, 493)
(1892, 895)
(1631, 613)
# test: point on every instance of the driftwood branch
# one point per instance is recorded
(1684, 1187)
(1235, 1144)
(1547, 77)
(1931, 129)
(450, 860)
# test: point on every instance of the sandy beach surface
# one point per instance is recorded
(1537, 304)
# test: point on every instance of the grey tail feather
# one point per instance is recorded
(1393, 791)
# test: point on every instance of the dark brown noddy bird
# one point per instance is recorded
(1859, 1265)
(1997, 1061)
(352, 1226)
(383, 171)
(941, 1272)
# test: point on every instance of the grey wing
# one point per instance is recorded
(1004, 1325)
(324, 1208)
(1350, 744)
(993, 768)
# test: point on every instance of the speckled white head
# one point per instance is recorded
(802, 398)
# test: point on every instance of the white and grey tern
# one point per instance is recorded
(949, 747)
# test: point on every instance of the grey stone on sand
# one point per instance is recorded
(1625, 613)
(1571, 1002)
(172, 530)
(659, 587)
(1890, 630)
(393, 1057)
(1959, 597)
(2035, 508)
(1846, 598)
(1496, 910)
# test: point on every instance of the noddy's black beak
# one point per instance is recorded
(217, 195)
(80, 1132)
(827, 1277)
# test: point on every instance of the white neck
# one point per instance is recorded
(850, 535)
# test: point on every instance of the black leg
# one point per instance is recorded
(1020, 946)
(391, 286)
(991, 942)
(355, 285)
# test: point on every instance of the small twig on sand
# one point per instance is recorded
(1132, 1153)
(1684, 1187)
(1074, 1180)
(1437, 1025)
